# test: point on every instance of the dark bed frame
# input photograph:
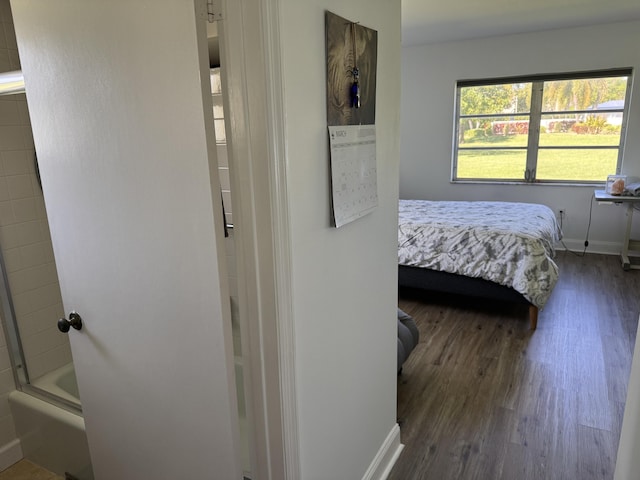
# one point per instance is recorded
(426, 279)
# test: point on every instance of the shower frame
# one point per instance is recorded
(16, 353)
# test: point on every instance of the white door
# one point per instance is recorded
(120, 109)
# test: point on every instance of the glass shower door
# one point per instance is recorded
(46, 409)
(32, 301)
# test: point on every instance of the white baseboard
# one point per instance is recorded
(10, 453)
(386, 457)
(595, 246)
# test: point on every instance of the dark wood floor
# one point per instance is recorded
(483, 397)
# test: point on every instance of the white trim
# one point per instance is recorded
(627, 462)
(233, 72)
(10, 453)
(282, 233)
(595, 246)
(386, 457)
(251, 68)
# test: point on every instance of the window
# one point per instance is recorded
(545, 128)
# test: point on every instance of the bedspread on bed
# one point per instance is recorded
(505, 242)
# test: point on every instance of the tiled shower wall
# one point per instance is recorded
(230, 249)
(25, 240)
(24, 234)
(221, 142)
(225, 187)
(8, 62)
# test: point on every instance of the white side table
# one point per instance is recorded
(628, 244)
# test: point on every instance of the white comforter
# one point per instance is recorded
(507, 243)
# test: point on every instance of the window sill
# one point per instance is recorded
(539, 184)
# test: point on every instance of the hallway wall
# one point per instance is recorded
(345, 279)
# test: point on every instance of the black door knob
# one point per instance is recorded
(74, 321)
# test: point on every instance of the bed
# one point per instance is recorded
(497, 250)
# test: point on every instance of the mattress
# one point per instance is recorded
(508, 243)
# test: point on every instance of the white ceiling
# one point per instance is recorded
(433, 21)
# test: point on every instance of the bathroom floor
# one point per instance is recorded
(25, 470)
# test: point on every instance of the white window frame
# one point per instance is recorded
(535, 115)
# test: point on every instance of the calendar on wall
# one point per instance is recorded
(352, 58)
(354, 175)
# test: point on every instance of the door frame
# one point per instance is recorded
(250, 50)
(627, 461)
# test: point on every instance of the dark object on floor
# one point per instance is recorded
(407, 337)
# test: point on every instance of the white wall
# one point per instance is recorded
(344, 280)
(26, 244)
(429, 74)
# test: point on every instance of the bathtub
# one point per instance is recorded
(61, 383)
(50, 429)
